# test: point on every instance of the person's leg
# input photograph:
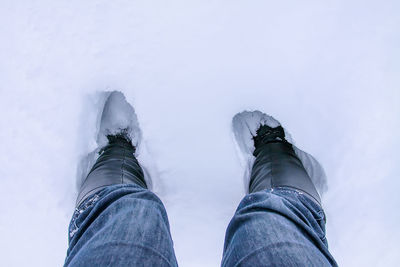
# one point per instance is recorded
(280, 222)
(123, 224)
(117, 220)
(277, 227)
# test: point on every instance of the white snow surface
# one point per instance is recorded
(327, 70)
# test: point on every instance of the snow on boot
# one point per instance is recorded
(118, 117)
(257, 135)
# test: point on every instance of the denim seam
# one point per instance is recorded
(299, 192)
(79, 210)
(88, 194)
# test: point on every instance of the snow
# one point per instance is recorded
(118, 115)
(328, 71)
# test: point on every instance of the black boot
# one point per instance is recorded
(277, 165)
(116, 165)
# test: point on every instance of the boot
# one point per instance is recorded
(277, 165)
(119, 135)
(271, 158)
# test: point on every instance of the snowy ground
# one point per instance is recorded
(328, 70)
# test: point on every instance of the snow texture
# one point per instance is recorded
(328, 70)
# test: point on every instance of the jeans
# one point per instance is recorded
(121, 225)
(127, 225)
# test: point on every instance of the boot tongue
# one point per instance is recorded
(266, 134)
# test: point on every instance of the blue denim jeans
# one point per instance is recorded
(127, 225)
(277, 227)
